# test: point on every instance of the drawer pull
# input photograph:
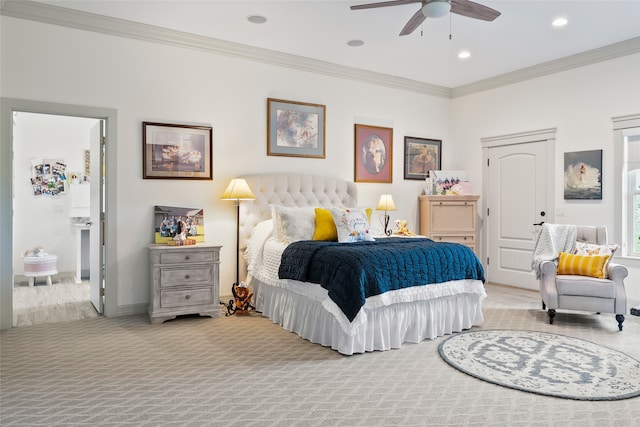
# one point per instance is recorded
(187, 296)
(465, 238)
(187, 276)
(187, 258)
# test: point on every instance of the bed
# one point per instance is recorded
(383, 321)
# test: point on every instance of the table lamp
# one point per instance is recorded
(386, 204)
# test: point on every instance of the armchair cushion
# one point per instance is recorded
(585, 286)
(582, 265)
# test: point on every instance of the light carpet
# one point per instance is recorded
(245, 371)
(544, 363)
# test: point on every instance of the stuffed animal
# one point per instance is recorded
(401, 224)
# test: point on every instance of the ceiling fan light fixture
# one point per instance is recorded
(436, 9)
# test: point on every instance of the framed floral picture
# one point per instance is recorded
(295, 129)
(172, 151)
(373, 154)
(421, 156)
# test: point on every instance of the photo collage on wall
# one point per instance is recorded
(48, 177)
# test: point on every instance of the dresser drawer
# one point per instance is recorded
(465, 240)
(186, 297)
(187, 276)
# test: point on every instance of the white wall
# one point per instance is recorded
(580, 104)
(150, 82)
(45, 220)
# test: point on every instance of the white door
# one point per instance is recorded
(96, 211)
(517, 186)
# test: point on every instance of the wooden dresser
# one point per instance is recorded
(184, 280)
(450, 219)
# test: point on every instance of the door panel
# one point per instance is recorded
(517, 197)
(96, 231)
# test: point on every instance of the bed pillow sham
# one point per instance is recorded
(352, 225)
(325, 226)
(292, 224)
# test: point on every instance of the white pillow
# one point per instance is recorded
(292, 224)
(352, 225)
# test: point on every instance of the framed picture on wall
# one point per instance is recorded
(295, 129)
(583, 175)
(421, 156)
(173, 151)
(373, 154)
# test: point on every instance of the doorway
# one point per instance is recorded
(53, 184)
(105, 146)
(518, 193)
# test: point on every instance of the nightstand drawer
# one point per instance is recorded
(190, 257)
(186, 297)
(186, 276)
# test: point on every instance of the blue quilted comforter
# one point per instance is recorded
(353, 272)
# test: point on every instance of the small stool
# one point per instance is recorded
(40, 266)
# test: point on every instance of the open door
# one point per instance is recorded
(96, 223)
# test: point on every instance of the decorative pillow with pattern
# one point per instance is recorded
(583, 265)
(589, 249)
(352, 225)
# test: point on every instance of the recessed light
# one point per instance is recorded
(464, 54)
(560, 22)
(355, 43)
(257, 19)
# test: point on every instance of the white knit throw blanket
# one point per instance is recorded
(552, 239)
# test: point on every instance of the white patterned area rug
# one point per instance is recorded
(544, 363)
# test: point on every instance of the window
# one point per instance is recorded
(627, 157)
(632, 203)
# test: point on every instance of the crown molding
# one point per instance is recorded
(55, 15)
(616, 50)
(45, 13)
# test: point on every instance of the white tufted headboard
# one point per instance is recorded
(288, 189)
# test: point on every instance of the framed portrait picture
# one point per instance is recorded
(421, 155)
(583, 175)
(295, 129)
(173, 151)
(373, 154)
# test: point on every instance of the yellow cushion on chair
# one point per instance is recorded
(583, 265)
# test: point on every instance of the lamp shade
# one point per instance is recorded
(436, 9)
(238, 189)
(386, 203)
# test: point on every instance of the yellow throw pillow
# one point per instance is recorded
(582, 265)
(325, 226)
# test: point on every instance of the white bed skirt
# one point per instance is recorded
(384, 328)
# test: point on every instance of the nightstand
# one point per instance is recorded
(184, 280)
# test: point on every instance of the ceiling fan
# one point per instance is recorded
(436, 9)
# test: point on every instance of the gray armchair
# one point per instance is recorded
(581, 292)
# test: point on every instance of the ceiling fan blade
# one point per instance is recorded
(473, 10)
(413, 23)
(384, 4)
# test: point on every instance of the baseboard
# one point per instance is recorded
(131, 309)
